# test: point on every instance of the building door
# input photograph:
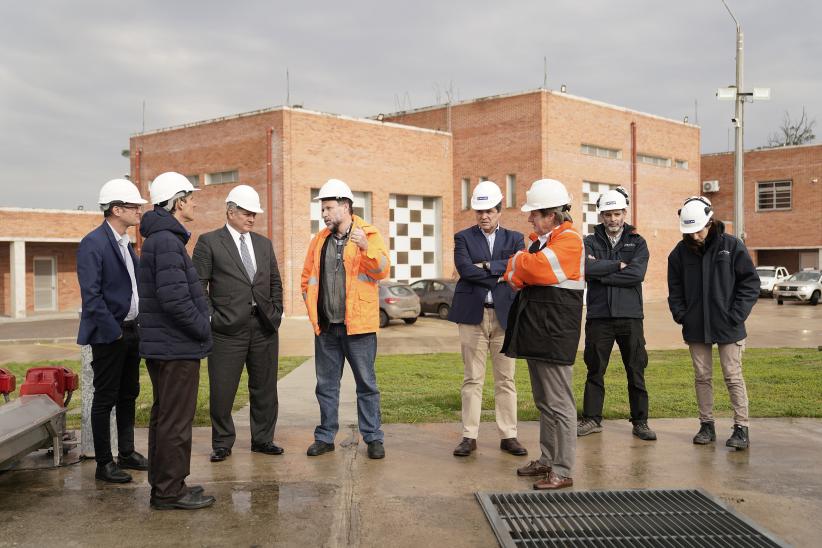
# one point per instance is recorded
(808, 259)
(45, 283)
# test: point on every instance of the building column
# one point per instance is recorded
(17, 260)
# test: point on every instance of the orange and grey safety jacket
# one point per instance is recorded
(363, 271)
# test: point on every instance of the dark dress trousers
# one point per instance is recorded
(105, 287)
(470, 247)
(245, 317)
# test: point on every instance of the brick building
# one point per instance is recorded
(38, 267)
(588, 145)
(783, 202)
(400, 176)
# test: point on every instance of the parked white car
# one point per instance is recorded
(769, 276)
(802, 286)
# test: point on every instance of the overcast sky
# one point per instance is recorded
(74, 75)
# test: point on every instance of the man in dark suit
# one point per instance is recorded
(239, 274)
(480, 307)
(106, 266)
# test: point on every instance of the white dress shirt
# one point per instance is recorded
(490, 238)
(236, 236)
(122, 244)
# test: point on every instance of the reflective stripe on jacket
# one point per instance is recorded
(363, 271)
(561, 263)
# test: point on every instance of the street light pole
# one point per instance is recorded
(739, 129)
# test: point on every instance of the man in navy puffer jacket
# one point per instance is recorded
(175, 334)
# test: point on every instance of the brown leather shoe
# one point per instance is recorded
(511, 445)
(466, 446)
(554, 481)
(534, 468)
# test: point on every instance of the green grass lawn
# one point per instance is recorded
(201, 418)
(784, 382)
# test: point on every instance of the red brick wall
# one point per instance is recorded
(44, 223)
(801, 226)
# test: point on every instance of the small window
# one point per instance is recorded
(510, 190)
(223, 177)
(658, 161)
(681, 164)
(601, 152)
(194, 180)
(437, 286)
(774, 195)
(465, 187)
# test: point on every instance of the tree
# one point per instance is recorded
(793, 132)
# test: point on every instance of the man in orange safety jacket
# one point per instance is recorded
(544, 325)
(340, 287)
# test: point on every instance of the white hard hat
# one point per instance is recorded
(334, 189)
(167, 184)
(486, 195)
(120, 190)
(546, 193)
(612, 200)
(245, 197)
(695, 214)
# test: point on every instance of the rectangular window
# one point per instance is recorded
(658, 161)
(223, 177)
(600, 152)
(773, 195)
(681, 164)
(194, 180)
(510, 190)
(465, 186)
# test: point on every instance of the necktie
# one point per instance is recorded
(246, 257)
(132, 313)
(535, 246)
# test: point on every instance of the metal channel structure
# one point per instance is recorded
(644, 517)
(30, 423)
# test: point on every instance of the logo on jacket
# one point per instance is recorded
(629, 245)
(724, 252)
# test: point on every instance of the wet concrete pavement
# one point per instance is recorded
(419, 495)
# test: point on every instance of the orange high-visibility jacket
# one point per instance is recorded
(363, 271)
(561, 263)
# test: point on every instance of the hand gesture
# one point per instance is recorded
(359, 238)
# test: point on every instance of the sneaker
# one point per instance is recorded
(706, 434)
(587, 426)
(739, 438)
(643, 432)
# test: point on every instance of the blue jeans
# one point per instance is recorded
(331, 348)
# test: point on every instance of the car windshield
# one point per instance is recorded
(804, 277)
(766, 272)
(400, 290)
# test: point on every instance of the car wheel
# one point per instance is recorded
(779, 301)
(443, 311)
(409, 321)
(815, 298)
(383, 318)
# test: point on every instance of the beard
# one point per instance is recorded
(614, 229)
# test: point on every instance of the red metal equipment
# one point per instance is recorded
(57, 383)
(8, 383)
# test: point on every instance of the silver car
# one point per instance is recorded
(398, 301)
(805, 285)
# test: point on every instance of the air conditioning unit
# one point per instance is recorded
(710, 186)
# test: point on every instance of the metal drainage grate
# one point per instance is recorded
(619, 518)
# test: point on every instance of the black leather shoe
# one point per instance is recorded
(194, 488)
(190, 501)
(112, 473)
(466, 446)
(376, 450)
(318, 448)
(513, 446)
(269, 448)
(135, 461)
(219, 454)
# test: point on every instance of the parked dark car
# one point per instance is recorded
(435, 296)
(398, 301)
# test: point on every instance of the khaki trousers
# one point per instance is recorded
(730, 358)
(552, 387)
(477, 341)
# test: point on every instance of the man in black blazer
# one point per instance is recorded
(239, 274)
(480, 307)
(106, 266)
